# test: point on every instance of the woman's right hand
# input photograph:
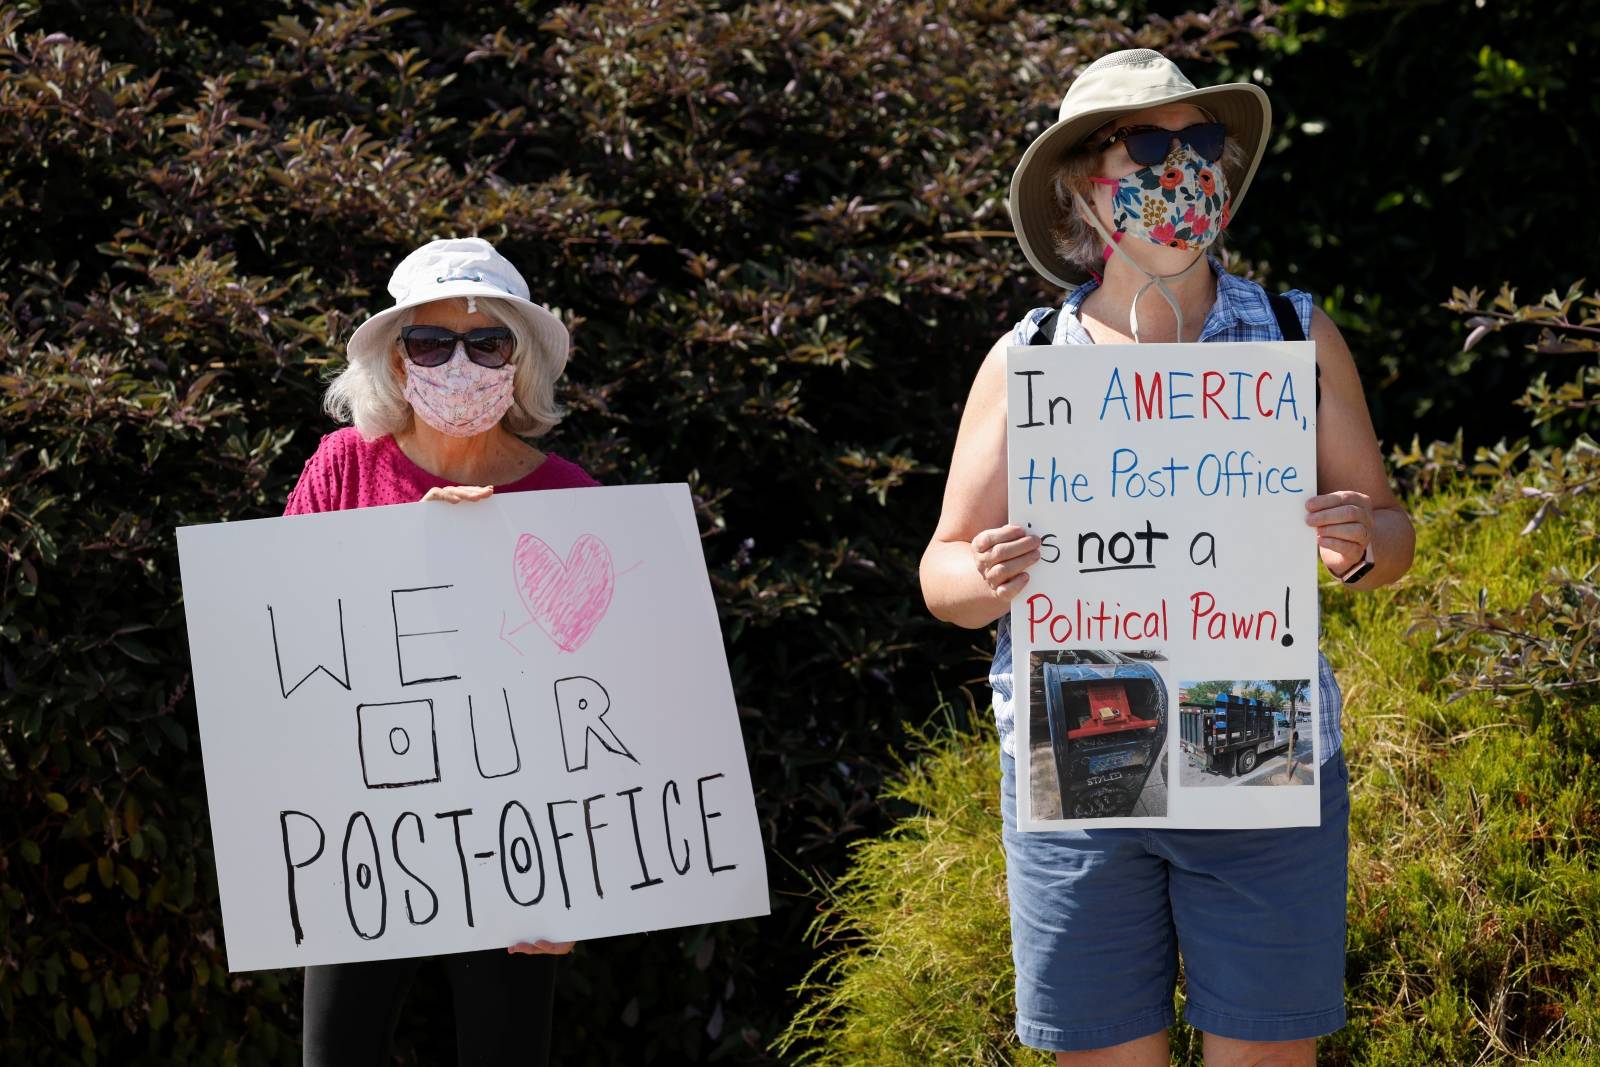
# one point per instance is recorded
(1003, 555)
(973, 537)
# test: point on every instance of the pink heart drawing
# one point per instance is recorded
(567, 599)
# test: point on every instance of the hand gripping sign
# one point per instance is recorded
(1165, 646)
(431, 729)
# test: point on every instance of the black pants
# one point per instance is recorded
(502, 1002)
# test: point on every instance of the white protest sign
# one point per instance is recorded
(431, 728)
(1165, 646)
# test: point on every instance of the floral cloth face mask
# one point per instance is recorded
(460, 399)
(1181, 204)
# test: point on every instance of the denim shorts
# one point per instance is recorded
(1099, 918)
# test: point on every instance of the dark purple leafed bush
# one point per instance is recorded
(778, 236)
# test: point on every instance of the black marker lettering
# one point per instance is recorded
(1027, 377)
(411, 637)
(581, 706)
(666, 821)
(1121, 549)
(705, 823)
(589, 827)
(397, 744)
(290, 866)
(519, 855)
(496, 742)
(638, 841)
(461, 855)
(364, 877)
(277, 657)
(557, 837)
(394, 841)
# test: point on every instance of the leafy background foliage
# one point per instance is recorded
(777, 231)
(1422, 145)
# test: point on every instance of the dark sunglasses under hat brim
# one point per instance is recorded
(373, 341)
(1240, 106)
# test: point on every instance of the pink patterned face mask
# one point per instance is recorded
(460, 399)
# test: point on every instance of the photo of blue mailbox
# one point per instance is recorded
(1107, 715)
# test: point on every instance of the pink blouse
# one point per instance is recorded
(349, 472)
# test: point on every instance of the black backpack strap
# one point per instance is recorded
(1289, 327)
(1044, 331)
(1288, 317)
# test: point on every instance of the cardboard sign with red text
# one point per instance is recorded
(431, 728)
(1165, 646)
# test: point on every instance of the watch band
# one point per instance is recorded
(1359, 571)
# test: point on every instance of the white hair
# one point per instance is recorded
(1075, 240)
(368, 392)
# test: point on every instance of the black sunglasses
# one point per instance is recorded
(1148, 145)
(433, 346)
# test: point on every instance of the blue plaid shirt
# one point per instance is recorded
(1241, 313)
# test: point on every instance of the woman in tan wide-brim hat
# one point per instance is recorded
(1119, 203)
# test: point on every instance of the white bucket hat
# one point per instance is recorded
(456, 267)
(1115, 84)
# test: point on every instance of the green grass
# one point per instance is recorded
(918, 964)
(1475, 847)
(1475, 877)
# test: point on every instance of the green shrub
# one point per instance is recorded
(916, 934)
(1475, 843)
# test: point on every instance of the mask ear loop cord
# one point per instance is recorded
(1157, 280)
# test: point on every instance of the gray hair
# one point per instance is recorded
(368, 393)
(1075, 240)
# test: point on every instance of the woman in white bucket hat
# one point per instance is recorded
(1129, 190)
(443, 388)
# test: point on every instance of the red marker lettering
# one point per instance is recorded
(1211, 383)
(1266, 412)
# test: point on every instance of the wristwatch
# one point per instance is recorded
(1359, 571)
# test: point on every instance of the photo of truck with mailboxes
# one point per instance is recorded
(1229, 730)
(1104, 715)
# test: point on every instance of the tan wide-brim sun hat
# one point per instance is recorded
(457, 267)
(1113, 85)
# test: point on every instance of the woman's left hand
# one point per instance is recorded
(542, 948)
(1344, 525)
(459, 494)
